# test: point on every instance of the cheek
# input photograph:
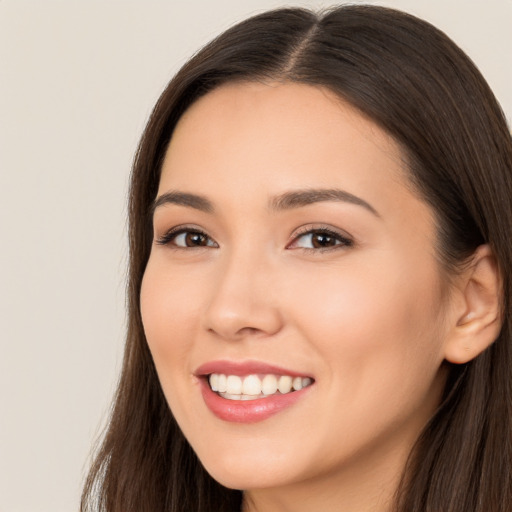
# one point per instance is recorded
(379, 334)
(374, 322)
(169, 309)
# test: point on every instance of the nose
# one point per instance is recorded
(243, 301)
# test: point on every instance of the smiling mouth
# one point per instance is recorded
(253, 387)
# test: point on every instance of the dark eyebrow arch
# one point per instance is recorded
(183, 199)
(305, 197)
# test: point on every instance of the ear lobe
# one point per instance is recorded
(478, 316)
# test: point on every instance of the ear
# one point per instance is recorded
(476, 321)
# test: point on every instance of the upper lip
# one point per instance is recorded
(245, 368)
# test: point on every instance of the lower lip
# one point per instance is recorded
(248, 411)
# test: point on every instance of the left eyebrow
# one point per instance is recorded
(305, 197)
(183, 199)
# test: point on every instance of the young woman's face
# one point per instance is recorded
(290, 247)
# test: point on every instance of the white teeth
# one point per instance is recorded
(269, 385)
(297, 383)
(234, 385)
(222, 383)
(251, 387)
(214, 381)
(285, 384)
(229, 396)
(249, 397)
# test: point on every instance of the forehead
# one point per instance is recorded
(250, 137)
(279, 111)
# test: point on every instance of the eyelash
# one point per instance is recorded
(173, 233)
(343, 240)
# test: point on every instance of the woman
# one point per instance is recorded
(320, 279)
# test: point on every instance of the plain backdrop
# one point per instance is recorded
(78, 80)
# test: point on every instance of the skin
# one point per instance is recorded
(367, 319)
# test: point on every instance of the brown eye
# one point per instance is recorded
(186, 238)
(192, 239)
(320, 239)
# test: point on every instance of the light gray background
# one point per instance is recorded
(77, 82)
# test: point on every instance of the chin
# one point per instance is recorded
(249, 480)
(251, 470)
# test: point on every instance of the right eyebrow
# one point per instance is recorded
(305, 197)
(183, 199)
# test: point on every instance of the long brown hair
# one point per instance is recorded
(415, 83)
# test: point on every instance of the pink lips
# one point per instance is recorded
(250, 411)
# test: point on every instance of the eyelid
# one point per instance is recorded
(173, 232)
(345, 238)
